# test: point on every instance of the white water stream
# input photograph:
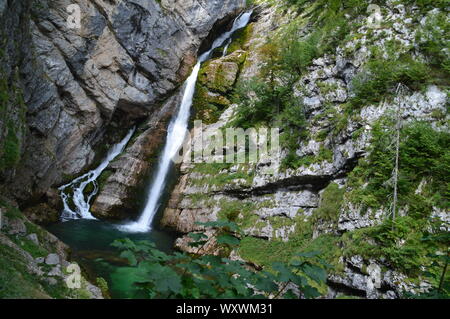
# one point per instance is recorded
(75, 190)
(177, 132)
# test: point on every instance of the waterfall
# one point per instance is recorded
(237, 24)
(78, 185)
(177, 132)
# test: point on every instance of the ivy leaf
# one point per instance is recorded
(129, 255)
(308, 254)
(310, 292)
(163, 278)
(314, 272)
(228, 240)
(284, 273)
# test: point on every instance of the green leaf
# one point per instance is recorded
(310, 292)
(164, 279)
(314, 272)
(309, 254)
(228, 240)
(122, 244)
(129, 255)
(284, 274)
(197, 236)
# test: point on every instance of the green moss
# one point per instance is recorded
(330, 204)
(241, 38)
(264, 253)
(30, 247)
(292, 160)
(12, 116)
(219, 179)
(210, 168)
(15, 280)
(103, 285)
(101, 180)
(208, 107)
(237, 211)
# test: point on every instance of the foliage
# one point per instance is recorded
(399, 242)
(381, 77)
(441, 290)
(330, 203)
(424, 155)
(433, 39)
(207, 276)
(12, 120)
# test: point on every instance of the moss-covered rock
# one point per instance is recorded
(25, 267)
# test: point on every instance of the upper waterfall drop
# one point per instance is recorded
(177, 131)
(79, 185)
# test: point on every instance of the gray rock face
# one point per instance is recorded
(276, 206)
(16, 227)
(126, 57)
(119, 195)
(52, 259)
(34, 238)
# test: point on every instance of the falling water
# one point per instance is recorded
(177, 133)
(237, 24)
(78, 186)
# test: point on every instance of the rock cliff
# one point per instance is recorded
(75, 84)
(68, 90)
(313, 201)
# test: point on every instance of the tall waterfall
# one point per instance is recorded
(177, 132)
(77, 187)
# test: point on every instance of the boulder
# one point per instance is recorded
(52, 259)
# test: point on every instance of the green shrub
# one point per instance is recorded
(434, 40)
(424, 154)
(330, 203)
(381, 76)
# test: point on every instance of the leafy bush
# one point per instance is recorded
(424, 154)
(330, 204)
(381, 76)
(434, 41)
(193, 276)
(401, 243)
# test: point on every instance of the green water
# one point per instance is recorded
(90, 242)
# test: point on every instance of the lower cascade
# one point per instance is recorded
(77, 187)
(177, 132)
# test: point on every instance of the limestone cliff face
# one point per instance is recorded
(123, 61)
(275, 208)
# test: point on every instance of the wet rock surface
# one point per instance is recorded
(127, 57)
